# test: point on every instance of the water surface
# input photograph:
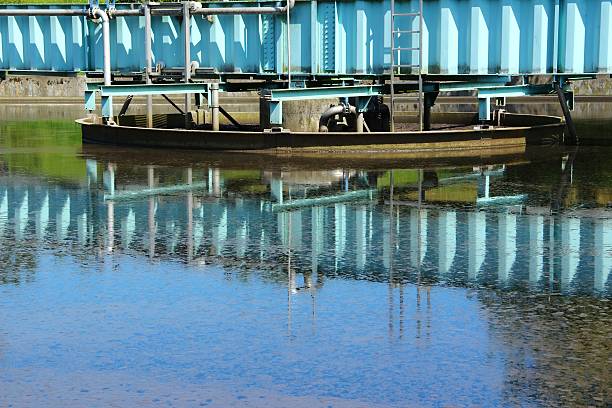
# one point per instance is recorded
(170, 278)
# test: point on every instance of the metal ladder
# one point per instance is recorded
(397, 65)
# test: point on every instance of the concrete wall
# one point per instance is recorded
(42, 86)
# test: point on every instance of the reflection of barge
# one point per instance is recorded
(460, 133)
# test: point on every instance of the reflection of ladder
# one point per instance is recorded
(396, 64)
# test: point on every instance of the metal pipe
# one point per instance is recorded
(166, 10)
(126, 12)
(44, 12)
(327, 115)
(101, 14)
(288, 47)
(333, 111)
(149, 64)
(187, 52)
(360, 122)
(198, 9)
(420, 65)
(214, 105)
(106, 68)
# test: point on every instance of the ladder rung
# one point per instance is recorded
(405, 14)
(406, 31)
(405, 49)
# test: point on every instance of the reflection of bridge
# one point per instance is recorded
(362, 240)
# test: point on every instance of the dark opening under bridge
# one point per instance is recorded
(347, 49)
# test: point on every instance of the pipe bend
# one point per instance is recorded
(333, 111)
(290, 4)
(101, 14)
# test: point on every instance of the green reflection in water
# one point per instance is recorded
(46, 148)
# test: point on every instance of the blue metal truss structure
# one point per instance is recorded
(477, 44)
(329, 38)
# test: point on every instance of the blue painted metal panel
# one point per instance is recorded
(472, 37)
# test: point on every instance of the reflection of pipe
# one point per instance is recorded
(333, 111)
(559, 193)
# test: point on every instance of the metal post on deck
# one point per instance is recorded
(147, 18)
(187, 47)
(214, 105)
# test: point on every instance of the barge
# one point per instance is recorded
(459, 133)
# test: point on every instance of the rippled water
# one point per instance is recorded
(170, 278)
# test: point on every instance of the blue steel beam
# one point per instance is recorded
(514, 91)
(277, 96)
(152, 89)
(108, 91)
(296, 94)
(485, 95)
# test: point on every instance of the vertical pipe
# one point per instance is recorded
(106, 47)
(360, 121)
(392, 76)
(187, 46)
(289, 49)
(147, 17)
(420, 65)
(214, 105)
(107, 56)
